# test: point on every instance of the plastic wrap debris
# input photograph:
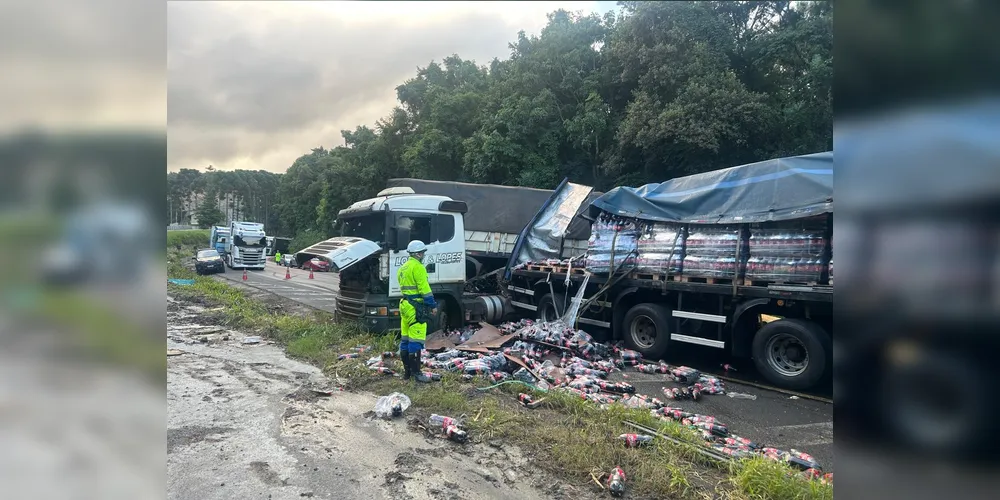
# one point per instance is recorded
(252, 340)
(392, 405)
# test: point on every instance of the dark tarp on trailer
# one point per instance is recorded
(505, 209)
(771, 190)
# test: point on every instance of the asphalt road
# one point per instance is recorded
(773, 419)
(319, 292)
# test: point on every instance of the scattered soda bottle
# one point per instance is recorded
(449, 427)
(352, 355)
(432, 376)
(634, 440)
(802, 460)
(449, 354)
(454, 433)
(454, 365)
(734, 440)
(616, 482)
(383, 370)
(360, 348)
(685, 375)
(617, 387)
(527, 401)
(388, 354)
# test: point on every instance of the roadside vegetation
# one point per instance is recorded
(566, 435)
(93, 328)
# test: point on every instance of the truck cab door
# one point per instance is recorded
(410, 226)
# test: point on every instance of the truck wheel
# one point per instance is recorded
(937, 402)
(549, 307)
(647, 329)
(791, 353)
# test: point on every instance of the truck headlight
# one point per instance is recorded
(377, 311)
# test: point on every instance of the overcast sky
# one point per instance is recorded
(254, 85)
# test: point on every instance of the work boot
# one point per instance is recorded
(407, 366)
(418, 372)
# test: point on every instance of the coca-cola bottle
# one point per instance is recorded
(634, 440)
(616, 482)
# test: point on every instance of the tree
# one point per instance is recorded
(208, 212)
(657, 91)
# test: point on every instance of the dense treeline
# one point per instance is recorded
(656, 91)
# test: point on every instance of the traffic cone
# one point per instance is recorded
(310, 273)
(288, 273)
(244, 275)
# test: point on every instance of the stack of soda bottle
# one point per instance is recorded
(612, 232)
(793, 251)
(710, 251)
(655, 244)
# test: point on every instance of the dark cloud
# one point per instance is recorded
(239, 78)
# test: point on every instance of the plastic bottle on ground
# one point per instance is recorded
(616, 482)
(633, 440)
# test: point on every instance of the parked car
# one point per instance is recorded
(208, 261)
(287, 260)
(316, 264)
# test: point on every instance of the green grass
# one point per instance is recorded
(567, 435)
(191, 238)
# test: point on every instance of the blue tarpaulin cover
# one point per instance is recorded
(771, 190)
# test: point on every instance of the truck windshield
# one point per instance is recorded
(370, 227)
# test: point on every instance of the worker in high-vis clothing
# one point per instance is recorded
(415, 309)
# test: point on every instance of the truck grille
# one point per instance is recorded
(350, 304)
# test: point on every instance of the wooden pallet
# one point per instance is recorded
(653, 276)
(709, 281)
(553, 269)
(750, 282)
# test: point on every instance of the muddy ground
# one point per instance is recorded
(245, 421)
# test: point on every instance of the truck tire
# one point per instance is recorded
(938, 403)
(646, 328)
(792, 353)
(549, 307)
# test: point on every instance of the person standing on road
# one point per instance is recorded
(415, 308)
(277, 257)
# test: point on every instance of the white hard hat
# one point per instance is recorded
(416, 246)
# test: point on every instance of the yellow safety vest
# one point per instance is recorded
(413, 284)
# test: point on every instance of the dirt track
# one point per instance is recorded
(243, 422)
